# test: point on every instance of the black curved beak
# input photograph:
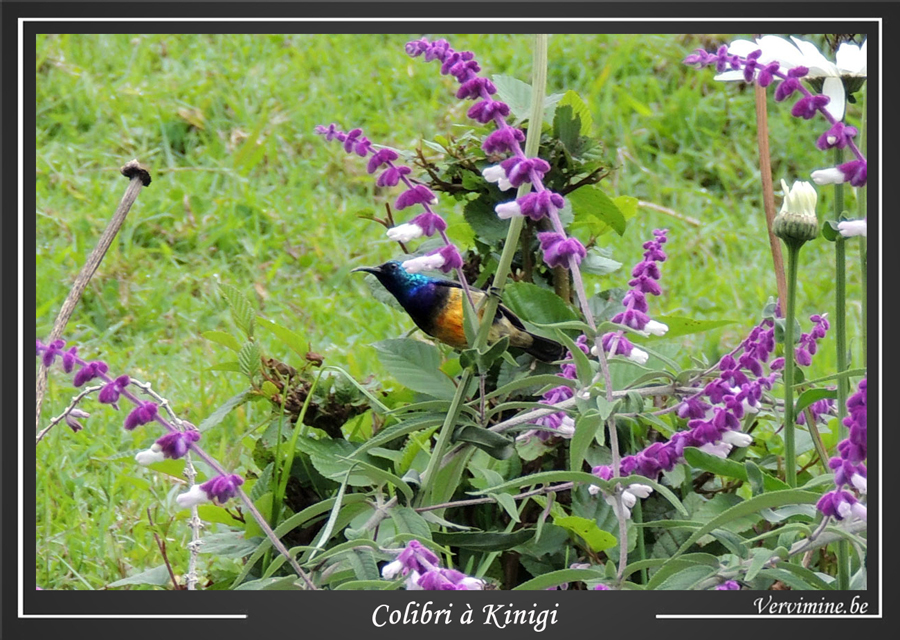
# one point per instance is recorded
(374, 270)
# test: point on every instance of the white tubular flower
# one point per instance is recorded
(737, 438)
(638, 355)
(860, 511)
(656, 328)
(594, 489)
(850, 228)
(611, 501)
(859, 481)
(497, 174)
(720, 449)
(424, 263)
(192, 497)
(828, 176)
(640, 490)
(151, 455)
(506, 210)
(405, 232)
(566, 429)
(391, 570)
(471, 584)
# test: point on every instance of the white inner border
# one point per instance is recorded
(21, 212)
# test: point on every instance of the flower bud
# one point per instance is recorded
(796, 223)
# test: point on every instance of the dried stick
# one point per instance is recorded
(765, 170)
(140, 177)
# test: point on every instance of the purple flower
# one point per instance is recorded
(520, 170)
(841, 504)
(475, 88)
(693, 407)
(357, 143)
(90, 371)
(446, 259)
(728, 585)
(503, 140)
(838, 136)
(420, 194)
(539, 204)
(391, 176)
(222, 488)
(172, 445)
(487, 110)
(786, 89)
(600, 587)
(109, 394)
(807, 106)
(558, 249)
(217, 490)
(383, 156)
(72, 419)
(144, 413)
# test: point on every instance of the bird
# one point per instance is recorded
(436, 306)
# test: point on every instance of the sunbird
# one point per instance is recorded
(436, 306)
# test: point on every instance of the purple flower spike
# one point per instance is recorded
(109, 394)
(420, 194)
(90, 371)
(854, 172)
(475, 87)
(222, 488)
(142, 414)
(558, 249)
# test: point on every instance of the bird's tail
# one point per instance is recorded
(544, 349)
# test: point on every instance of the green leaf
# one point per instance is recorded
(480, 215)
(506, 501)
(596, 538)
(225, 339)
(769, 500)
(685, 579)
(536, 304)
(231, 365)
(216, 417)
(595, 211)
(157, 576)
(556, 578)
(687, 326)
(517, 95)
(406, 520)
(241, 310)
(728, 468)
(229, 544)
(494, 444)
(484, 540)
(369, 585)
(415, 365)
(598, 262)
(546, 477)
(586, 426)
(813, 395)
(291, 339)
(577, 111)
(761, 556)
(249, 359)
(380, 476)
(283, 583)
(583, 368)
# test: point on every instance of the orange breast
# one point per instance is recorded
(448, 325)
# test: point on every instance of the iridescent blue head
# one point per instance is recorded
(408, 288)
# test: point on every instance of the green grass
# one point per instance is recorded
(243, 192)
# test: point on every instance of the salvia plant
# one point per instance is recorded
(500, 469)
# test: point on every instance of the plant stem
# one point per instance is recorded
(790, 462)
(840, 328)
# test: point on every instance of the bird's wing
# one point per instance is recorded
(506, 312)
